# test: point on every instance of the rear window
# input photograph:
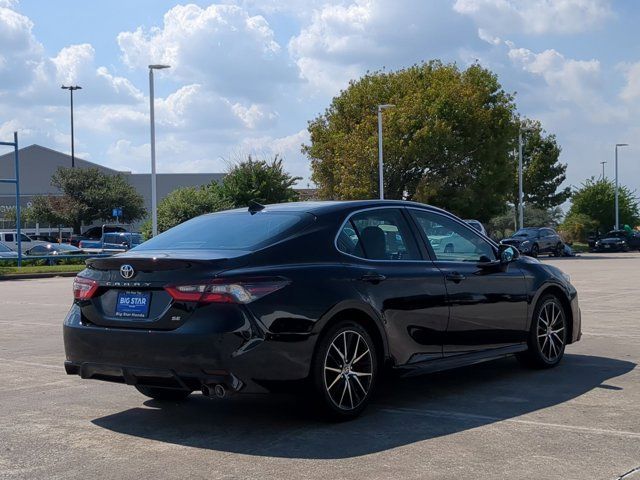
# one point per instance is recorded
(229, 231)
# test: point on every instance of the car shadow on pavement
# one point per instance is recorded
(404, 411)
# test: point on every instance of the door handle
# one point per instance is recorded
(373, 277)
(455, 277)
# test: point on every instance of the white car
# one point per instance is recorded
(6, 252)
(10, 239)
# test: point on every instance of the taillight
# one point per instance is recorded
(84, 288)
(225, 291)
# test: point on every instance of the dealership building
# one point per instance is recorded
(38, 164)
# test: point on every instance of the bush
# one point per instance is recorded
(576, 227)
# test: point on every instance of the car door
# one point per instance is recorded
(488, 306)
(395, 277)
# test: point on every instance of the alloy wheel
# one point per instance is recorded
(348, 370)
(551, 331)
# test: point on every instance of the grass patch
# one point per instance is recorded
(15, 271)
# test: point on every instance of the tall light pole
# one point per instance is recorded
(617, 212)
(520, 189)
(603, 164)
(154, 198)
(71, 88)
(380, 156)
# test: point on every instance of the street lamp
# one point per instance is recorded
(520, 192)
(617, 212)
(154, 200)
(603, 164)
(380, 157)
(71, 88)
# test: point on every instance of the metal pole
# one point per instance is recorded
(380, 156)
(617, 214)
(73, 155)
(603, 170)
(154, 212)
(18, 223)
(520, 194)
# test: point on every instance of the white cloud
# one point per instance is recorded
(344, 40)
(536, 16)
(631, 90)
(578, 82)
(220, 47)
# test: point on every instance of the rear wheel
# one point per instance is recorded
(345, 370)
(558, 250)
(448, 248)
(548, 334)
(159, 393)
(535, 250)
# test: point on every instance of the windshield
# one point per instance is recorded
(616, 234)
(228, 231)
(4, 248)
(526, 232)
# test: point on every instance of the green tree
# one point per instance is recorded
(504, 225)
(542, 171)
(185, 203)
(88, 194)
(260, 180)
(595, 199)
(447, 141)
(576, 227)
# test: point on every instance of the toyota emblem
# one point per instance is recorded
(127, 271)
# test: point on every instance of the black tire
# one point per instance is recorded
(546, 341)
(448, 248)
(535, 250)
(339, 390)
(164, 394)
(558, 250)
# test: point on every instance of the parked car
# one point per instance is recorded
(10, 239)
(478, 226)
(6, 252)
(95, 233)
(617, 241)
(43, 237)
(54, 249)
(284, 296)
(112, 242)
(533, 241)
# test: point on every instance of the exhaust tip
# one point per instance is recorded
(220, 391)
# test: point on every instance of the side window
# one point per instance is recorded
(24, 238)
(451, 241)
(8, 237)
(38, 250)
(380, 234)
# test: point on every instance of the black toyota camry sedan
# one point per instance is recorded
(321, 295)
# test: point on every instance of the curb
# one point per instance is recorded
(33, 276)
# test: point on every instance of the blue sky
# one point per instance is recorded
(247, 75)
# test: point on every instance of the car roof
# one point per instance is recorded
(329, 206)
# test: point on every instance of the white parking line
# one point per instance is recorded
(487, 419)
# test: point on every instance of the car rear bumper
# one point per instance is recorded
(242, 359)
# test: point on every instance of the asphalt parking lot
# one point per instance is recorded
(495, 420)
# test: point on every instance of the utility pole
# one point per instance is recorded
(603, 163)
(520, 192)
(617, 210)
(380, 155)
(71, 88)
(154, 197)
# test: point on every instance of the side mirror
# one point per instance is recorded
(507, 253)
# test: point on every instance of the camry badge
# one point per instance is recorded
(127, 271)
